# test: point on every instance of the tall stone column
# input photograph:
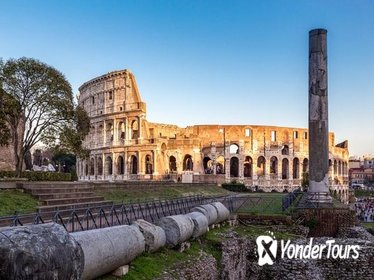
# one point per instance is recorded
(318, 118)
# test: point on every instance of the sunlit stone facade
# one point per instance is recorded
(125, 146)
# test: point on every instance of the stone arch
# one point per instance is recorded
(285, 150)
(330, 166)
(261, 165)
(305, 165)
(248, 167)
(172, 164)
(134, 165)
(220, 165)
(187, 163)
(234, 167)
(85, 168)
(99, 163)
(120, 165)
(339, 168)
(296, 168)
(108, 165)
(92, 166)
(273, 165)
(135, 129)
(109, 130)
(285, 168)
(207, 165)
(100, 130)
(163, 147)
(335, 167)
(121, 130)
(234, 149)
(148, 164)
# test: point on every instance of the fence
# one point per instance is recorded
(290, 198)
(111, 215)
(124, 214)
(259, 204)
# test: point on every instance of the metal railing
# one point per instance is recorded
(290, 198)
(81, 219)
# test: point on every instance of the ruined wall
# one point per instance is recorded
(239, 261)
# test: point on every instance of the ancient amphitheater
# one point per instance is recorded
(125, 146)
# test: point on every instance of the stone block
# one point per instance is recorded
(121, 271)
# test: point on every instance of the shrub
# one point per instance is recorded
(38, 175)
(235, 187)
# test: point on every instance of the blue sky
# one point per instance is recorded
(209, 62)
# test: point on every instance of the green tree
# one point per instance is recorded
(41, 104)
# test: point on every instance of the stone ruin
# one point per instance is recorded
(47, 251)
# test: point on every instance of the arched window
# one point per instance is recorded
(135, 129)
(220, 165)
(109, 165)
(234, 149)
(99, 166)
(134, 164)
(295, 168)
(187, 163)
(248, 167)
(273, 165)
(234, 167)
(148, 164)
(285, 150)
(285, 168)
(92, 166)
(163, 147)
(100, 130)
(121, 131)
(305, 165)
(121, 165)
(261, 166)
(172, 164)
(109, 131)
(207, 164)
(335, 167)
(86, 168)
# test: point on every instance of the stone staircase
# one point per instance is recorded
(63, 196)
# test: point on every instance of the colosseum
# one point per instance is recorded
(125, 146)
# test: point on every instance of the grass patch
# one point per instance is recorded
(263, 204)
(368, 225)
(133, 194)
(16, 200)
(152, 265)
(363, 193)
